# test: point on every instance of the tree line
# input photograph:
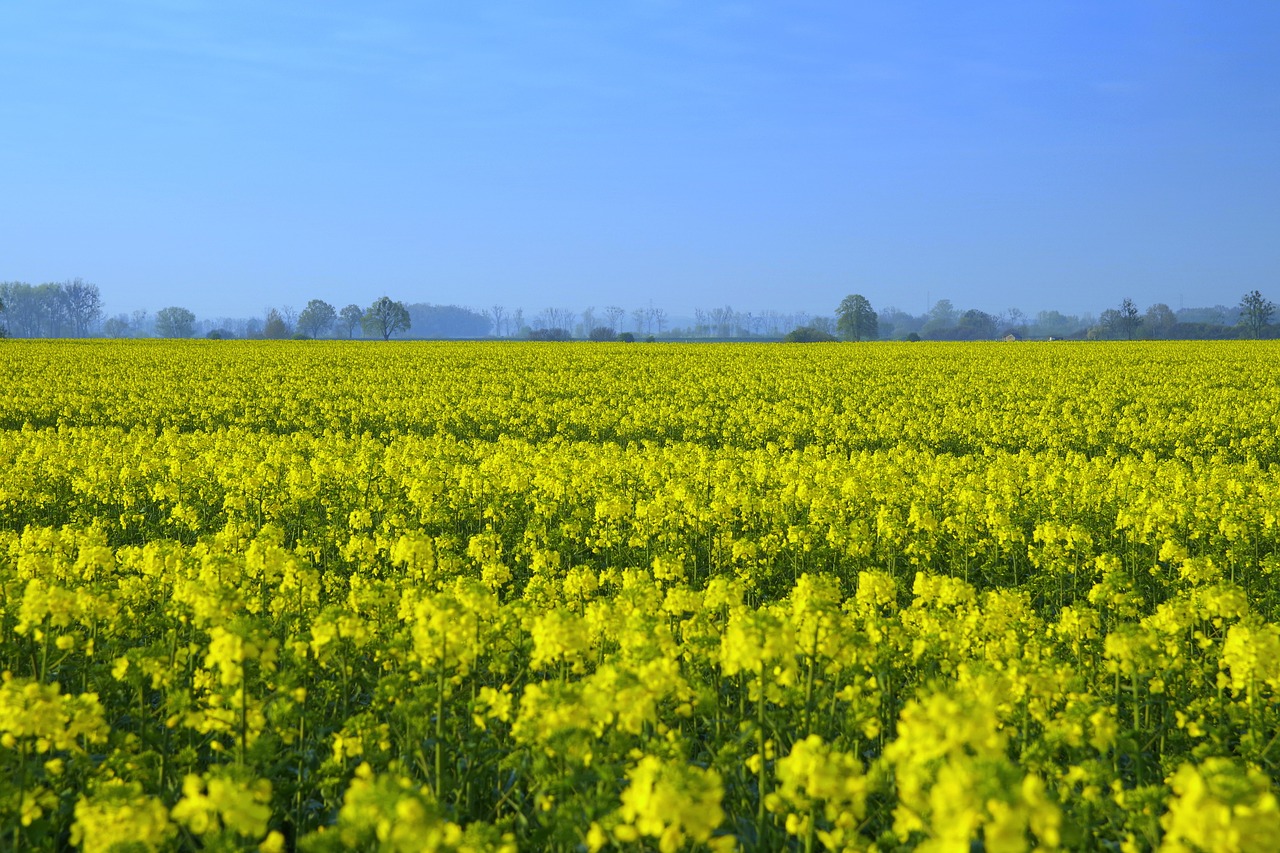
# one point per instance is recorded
(1250, 318)
(74, 308)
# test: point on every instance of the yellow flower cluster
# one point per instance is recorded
(672, 802)
(327, 596)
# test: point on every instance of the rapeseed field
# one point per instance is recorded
(472, 596)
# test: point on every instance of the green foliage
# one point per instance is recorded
(175, 322)
(384, 318)
(1256, 312)
(317, 318)
(275, 329)
(349, 319)
(556, 334)
(857, 320)
(808, 335)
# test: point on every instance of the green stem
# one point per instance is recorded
(760, 746)
(808, 686)
(22, 790)
(439, 756)
(1137, 757)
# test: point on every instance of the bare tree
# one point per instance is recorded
(51, 308)
(1014, 320)
(700, 324)
(613, 316)
(83, 305)
(724, 320)
(497, 313)
(770, 321)
(117, 326)
(659, 318)
(20, 310)
(1129, 318)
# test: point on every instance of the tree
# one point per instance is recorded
(175, 322)
(1014, 321)
(447, 321)
(659, 318)
(701, 328)
(276, 328)
(1055, 324)
(975, 325)
(1109, 323)
(555, 318)
(83, 305)
(317, 318)
(826, 325)
(894, 322)
(856, 319)
(385, 317)
(1160, 320)
(723, 321)
(941, 320)
(117, 326)
(349, 318)
(613, 315)
(51, 308)
(1127, 318)
(1256, 311)
(19, 308)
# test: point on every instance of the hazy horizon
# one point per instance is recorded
(228, 157)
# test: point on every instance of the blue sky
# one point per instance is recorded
(227, 156)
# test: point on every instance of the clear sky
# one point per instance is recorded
(230, 155)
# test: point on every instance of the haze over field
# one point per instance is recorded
(226, 156)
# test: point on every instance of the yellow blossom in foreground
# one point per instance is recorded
(120, 817)
(224, 802)
(672, 802)
(40, 712)
(1221, 807)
